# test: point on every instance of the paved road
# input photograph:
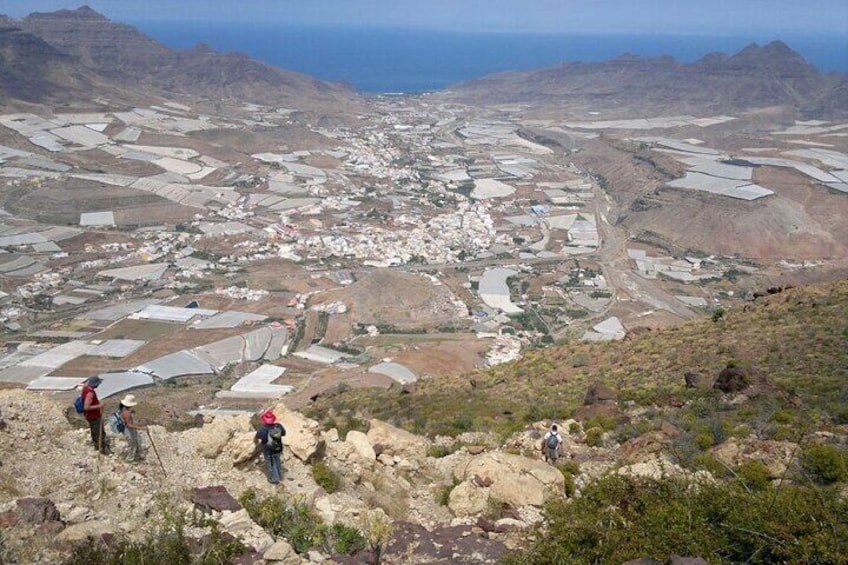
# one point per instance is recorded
(615, 264)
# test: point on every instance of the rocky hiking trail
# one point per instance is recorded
(56, 484)
(472, 504)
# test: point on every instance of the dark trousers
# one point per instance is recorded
(273, 466)
(98, 435)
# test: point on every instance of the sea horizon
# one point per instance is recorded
(386, 60)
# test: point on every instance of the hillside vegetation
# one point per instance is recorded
(793, 341)
(763, 456)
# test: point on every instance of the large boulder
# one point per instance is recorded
(239, 525)
(468, 499)
(598, 393)
(396, 441)
(737, 379)
(242, 447)
(37, 511)
(361, 446)
(214, 498)
(82, 531)
(775, 455)
(213, 437)
(655, 466)
(516, 480)
(600, 401)
(281, 551)
(342, 507)
(645, 447)
(449, 544)
(303, 435)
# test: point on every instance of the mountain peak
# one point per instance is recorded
(775, 55)
(83, 13)
(778, 46)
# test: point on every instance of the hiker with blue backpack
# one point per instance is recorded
(92, 410)
(124, 418)
(270, 437)
(551, 445)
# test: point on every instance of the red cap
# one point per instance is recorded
(268, 418)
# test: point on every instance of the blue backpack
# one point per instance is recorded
(116, 423)
(79, 405)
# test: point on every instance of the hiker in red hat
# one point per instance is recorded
(270, 437)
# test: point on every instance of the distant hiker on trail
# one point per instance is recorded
(127, 416)
(551, 444)
(270, 437)
(93, 413)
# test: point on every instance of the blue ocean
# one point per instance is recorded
(411, 61)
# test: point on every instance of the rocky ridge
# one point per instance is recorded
(122, 57)
(755, 77)
(469, 506)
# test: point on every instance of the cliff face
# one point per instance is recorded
(755, 77)
(33, 70)
(118, 51)
(124, 56)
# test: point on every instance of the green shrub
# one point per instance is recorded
(619, 518)
(580, 360)
(595, 437)
(606, 423)
(825, 464)
(783, 417)
(439, 451)
(569, 470)
(494, 509)
(341, 539)
(168, 545)
(781, 433)
(443, 495)
(454, 425)
(326, 478)
(754, 475)
(290, 518)
(707, 462)
(573, 428)
(346, 422)
(704, 440)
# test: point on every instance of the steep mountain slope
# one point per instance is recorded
(127, 57)
(31, 69)
(755, 77)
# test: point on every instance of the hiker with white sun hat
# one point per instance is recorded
(131, 428)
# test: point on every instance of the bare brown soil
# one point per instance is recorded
(156, 213)
(95, 160)
(329, 380)
(287, 277)
(323, 161)
(338, 328)
(61, 201)
(145, 330)
(394, 298)
(429, 354)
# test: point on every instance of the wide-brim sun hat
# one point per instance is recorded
(268, 418)
(94, 381)
(129, 400)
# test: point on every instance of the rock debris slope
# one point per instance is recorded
(56, 483)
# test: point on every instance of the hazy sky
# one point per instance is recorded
(755, 17)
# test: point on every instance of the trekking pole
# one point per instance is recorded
(156, 451)
(100, 440)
